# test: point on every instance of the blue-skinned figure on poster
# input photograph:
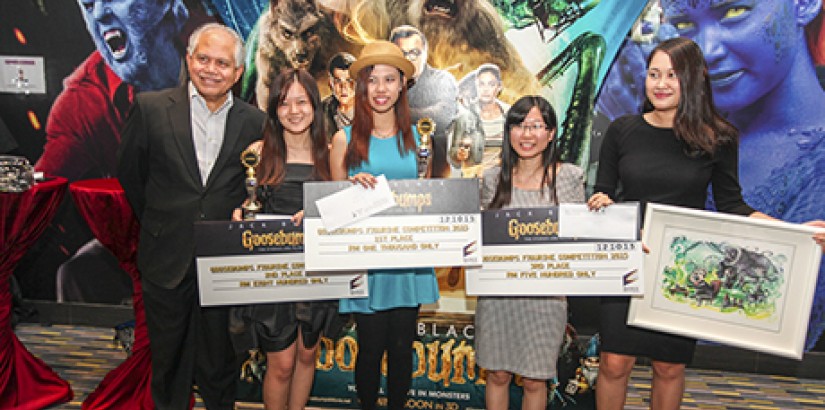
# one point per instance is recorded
(765, 83)
(136, 49)
(135, 39)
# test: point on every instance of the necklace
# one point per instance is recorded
(384, 134)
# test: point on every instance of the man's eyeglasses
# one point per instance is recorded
(535, 128)
(412, 54)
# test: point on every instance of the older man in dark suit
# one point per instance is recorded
(179, 163)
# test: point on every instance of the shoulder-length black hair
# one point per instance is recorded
(272, 167)
(509, 158)
(697, 122)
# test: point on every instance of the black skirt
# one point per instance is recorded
(618, 337)
(272, 327)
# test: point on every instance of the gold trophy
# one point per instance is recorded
(425, 127)
(250, 207)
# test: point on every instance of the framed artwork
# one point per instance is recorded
(731, 279)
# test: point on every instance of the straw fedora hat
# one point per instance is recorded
(382, 52)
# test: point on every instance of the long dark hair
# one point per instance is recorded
(509, 157)
(272, 167)
(697, 122)
(359, 144)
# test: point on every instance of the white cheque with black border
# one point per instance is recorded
(262, 261)
(434, 222)
(524, 256)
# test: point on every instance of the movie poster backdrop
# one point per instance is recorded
(560, 49)
(765, 62)
(475, 55)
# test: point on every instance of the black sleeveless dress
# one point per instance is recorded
(271, 327)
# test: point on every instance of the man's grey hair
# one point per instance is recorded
(196, 36)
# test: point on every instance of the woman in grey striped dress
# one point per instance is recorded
(522, 335)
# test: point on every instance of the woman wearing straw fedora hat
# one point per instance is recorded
(382, 140)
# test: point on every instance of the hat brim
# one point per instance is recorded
(400, 63)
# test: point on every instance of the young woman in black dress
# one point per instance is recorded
(293, 150)
(669, 155)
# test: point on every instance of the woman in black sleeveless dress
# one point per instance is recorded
(293, 151)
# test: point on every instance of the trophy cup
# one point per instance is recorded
(425, 127)
(251, 206)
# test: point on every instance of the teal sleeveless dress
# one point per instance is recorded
(392, 288)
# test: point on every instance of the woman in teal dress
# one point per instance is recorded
(382, 141)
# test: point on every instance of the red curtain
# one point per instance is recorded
(25, 381)
(103, 205)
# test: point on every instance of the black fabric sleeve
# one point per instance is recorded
(132, 159)
(727, 193)
(607, 175)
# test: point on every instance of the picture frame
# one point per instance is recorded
(740, 281)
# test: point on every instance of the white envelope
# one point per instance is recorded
(617, 221)
(354, 204)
